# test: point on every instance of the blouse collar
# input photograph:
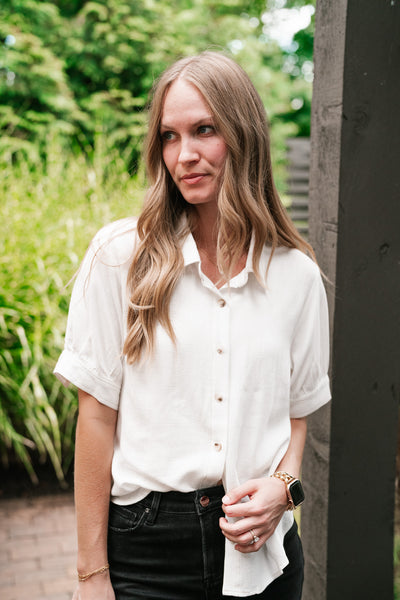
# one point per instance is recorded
(191, 256)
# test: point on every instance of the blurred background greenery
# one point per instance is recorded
(75, 77)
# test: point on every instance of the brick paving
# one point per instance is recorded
(37, 548)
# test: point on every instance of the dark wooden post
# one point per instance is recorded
(349, 467)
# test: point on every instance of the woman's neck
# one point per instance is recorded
(205, 235)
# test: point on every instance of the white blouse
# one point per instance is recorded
(217, 404)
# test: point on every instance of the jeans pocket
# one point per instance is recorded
(125, 519)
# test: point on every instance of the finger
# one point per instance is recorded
(247, 548)
(234, 495)
(245, 539)
(241, 535)
(243, 509)
(264, 531)
(239, 528)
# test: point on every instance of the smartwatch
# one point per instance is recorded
(294, 489)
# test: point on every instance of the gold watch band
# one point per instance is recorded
(287, 479)
(284, 476)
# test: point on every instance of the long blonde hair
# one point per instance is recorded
(248, 201)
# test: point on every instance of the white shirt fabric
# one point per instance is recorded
(217, 404)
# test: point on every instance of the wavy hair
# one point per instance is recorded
(248, 201)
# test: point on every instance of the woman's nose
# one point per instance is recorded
(188, 150)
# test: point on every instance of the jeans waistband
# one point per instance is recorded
(198, 501)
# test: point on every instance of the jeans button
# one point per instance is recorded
(204, 501)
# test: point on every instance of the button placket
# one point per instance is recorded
(220, 404)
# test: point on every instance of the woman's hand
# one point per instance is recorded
(96, 588)
(260, 515)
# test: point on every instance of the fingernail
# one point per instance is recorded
(226, 500)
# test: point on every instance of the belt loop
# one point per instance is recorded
(154, 508)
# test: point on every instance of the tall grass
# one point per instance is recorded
(49, 212)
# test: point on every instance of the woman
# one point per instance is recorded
(198, 339)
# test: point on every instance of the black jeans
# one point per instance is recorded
(170, 547)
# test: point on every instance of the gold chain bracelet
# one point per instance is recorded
(96, 572)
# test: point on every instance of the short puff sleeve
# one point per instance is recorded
(309, 387)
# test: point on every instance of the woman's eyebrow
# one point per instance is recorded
(194, 124)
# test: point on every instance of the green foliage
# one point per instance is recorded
(34, 91)
(397, 565)
(296, 61)
(78, 68)
(49, 215)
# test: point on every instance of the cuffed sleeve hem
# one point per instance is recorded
(70, 369)
(307, 404)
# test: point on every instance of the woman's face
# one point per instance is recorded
(193, 151)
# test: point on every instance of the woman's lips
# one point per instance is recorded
(193, 178)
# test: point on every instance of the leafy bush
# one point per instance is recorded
(74, 68)
(49, 215)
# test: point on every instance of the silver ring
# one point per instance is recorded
(255, 537)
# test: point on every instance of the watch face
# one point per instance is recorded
(296, 492)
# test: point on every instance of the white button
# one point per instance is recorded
(218, 446)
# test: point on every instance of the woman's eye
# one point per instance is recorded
(167, 136)
(206, 129)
